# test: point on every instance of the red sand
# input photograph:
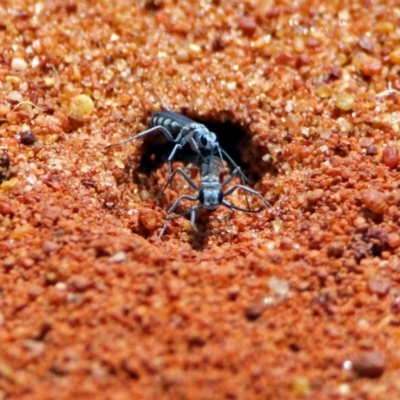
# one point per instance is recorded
(299, 300)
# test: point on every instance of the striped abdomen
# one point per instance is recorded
(169, 120)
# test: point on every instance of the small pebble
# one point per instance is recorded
(344, 389)
(312, 42)
(372, 66)
(314, 196)
(366, 142)
(393, 240)
(50, 213)
(18, 64)
(395, 56)
(366, 44)
(396, 305)
(233, 292)
(27, 138)
(75, 121)
(15, 80)
(360, 221)
(118, 257)
(301, 386)
(34, 346)
(359, 58)
(80, 283)
(393, 197)
(298, 44)
(345, 101)
(71, 6)
(81, 105)
(20, 232)
(182, 55)
(15, 96)
(374, 200)
(371, 150)
(254, 310)
(369, 364)
(149, 218)
(218, 43)
(5, 208)
(335, 249)
(10, 184)
(247, 25)
(277, 225)
(49, 246)
(154, 4)
(109, 59)
(49, 81)
(384, 27)
(390, 157)
(9, 262)
(378, 285)
(145, 194)
(279, 286)
(324, 91)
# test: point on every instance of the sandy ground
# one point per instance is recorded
(298, 300)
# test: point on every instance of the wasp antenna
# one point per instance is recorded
(149, 86)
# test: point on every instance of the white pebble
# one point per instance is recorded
(61, 286)
(118, 257)
(31, 179)
(266, 157)
(119, 164)
(278, 286)
(18, 64)
(15, 96)
(145, 194)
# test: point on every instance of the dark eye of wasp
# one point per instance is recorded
(201, 196)
(204, 141)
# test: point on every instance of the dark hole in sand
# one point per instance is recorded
(232, 138)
